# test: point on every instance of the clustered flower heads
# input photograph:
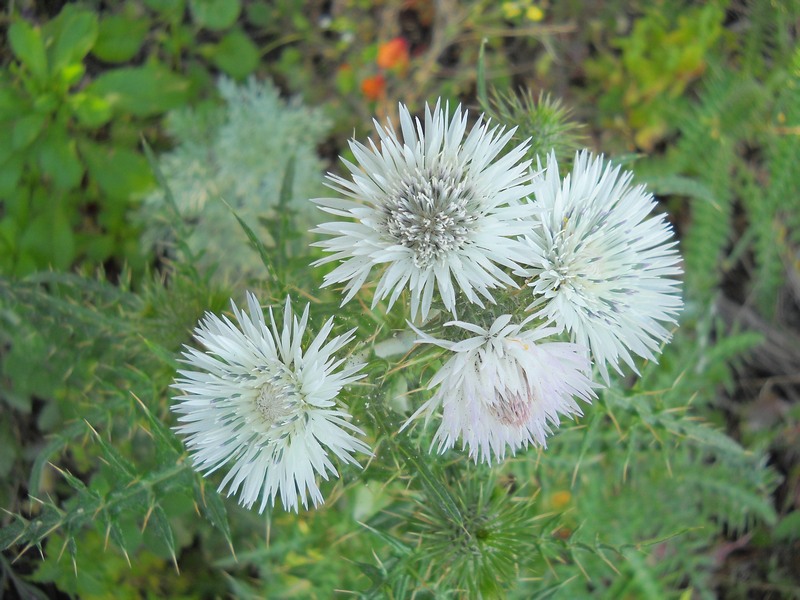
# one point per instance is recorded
(458, 221)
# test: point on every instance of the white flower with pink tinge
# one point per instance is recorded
(504, 388)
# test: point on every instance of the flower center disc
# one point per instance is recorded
(432, 213)
(275, 403)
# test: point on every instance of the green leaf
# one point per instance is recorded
(236, 55)
(166, 440)
(26, 129)
(141, 91)
(256, 242)
(75, 483)
(114, 531)
(12, 103)
(12, 533)
(643, 576)
(67, 434)
(677, 185)
(10, 173)
(483, 97)
(8, 448)
(120, 172)
(90, 110)
(259, 13)
(120, 38)
(396, 544)
(169, 8)
(215, 14)
(73, 33)
(163, 530)
(58, 159)
(49, 239)
(213, 508)
(113, 457)
(788, 529)
(28, 46)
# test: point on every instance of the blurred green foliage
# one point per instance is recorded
(96, 482)
(650, 68)
(56, 171)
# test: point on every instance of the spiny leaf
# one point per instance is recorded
(213, 508)
(164, 531)
(64, 437)
(643, 577)
(256, 243)
(392, 541)
(114, 531)
(165, 439)
(113, 456)
(13, 532)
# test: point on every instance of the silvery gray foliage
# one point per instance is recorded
(236, 151)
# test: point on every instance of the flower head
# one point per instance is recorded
(601, 268)
(257, 400)
(503, 388)
(437, 211)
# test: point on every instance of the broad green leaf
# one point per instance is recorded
(215, 14)
(120, 38)
(26, 129)
(97, 247)
(12, 104)
(28, 46)
(70, 75)
(49, 238)
(236, 55)
(91, 111)
(58, 159)
(259, 13)
(120, 172)
(10, 172)
(73, 33)
(141, 91)
(46, 103)
(8, 448)
(168, 8)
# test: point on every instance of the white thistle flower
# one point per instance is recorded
(436, 211)
(257, 400)
(602, 269)
(503, 388)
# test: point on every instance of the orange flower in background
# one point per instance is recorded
(393, 53)
(373, 87)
